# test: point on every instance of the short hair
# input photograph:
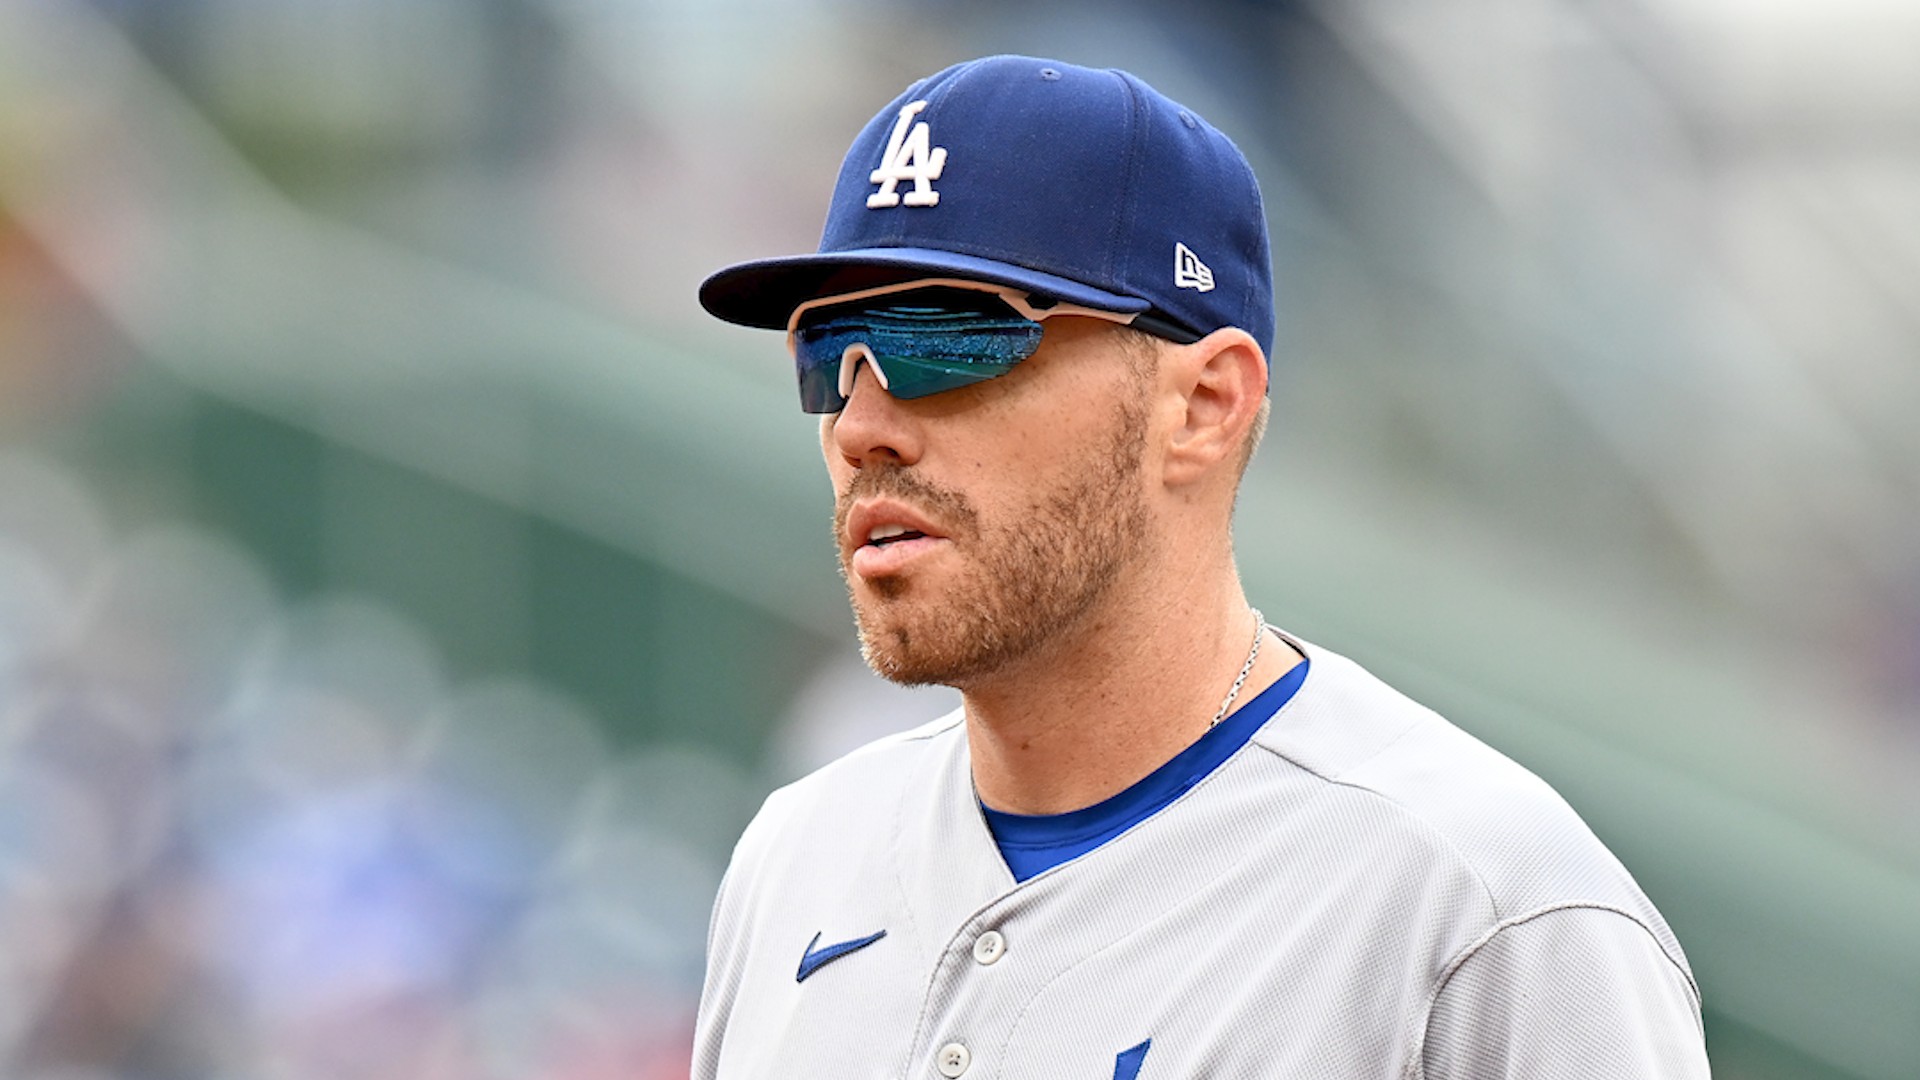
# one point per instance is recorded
(1256, 432)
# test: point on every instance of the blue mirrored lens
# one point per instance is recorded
(925, 342)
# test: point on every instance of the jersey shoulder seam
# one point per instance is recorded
(1417, 1060)
(805, 793)
(1408, 812)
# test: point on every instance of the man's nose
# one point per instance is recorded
(873, 426)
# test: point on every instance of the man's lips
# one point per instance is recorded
(883, 536)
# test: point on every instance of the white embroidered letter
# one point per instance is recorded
(1188, 271)
(909, 156)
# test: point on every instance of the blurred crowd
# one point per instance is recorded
(242, 837)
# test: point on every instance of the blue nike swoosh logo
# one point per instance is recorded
(1126, 1066)
(814, 959)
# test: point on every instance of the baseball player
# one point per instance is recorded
(1161, 838)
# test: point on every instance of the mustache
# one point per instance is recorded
(953, 510)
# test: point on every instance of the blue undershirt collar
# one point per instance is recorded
(1032, 843)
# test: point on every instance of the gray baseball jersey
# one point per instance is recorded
(1363, 890)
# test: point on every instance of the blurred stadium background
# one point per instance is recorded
(406, 593)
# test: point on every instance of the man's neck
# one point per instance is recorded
(1113, 700)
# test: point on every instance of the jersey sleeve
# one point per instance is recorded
(716, 996)
(727, 943)
(1566, 994)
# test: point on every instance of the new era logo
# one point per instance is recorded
(1188, 271)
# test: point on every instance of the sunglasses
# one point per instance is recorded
(926, 336)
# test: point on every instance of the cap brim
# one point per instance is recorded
(764, 293)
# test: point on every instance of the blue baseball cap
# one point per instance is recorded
(1083, 185)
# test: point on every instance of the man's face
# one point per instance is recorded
(977, 525)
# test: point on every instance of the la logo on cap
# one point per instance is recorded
(910, 156)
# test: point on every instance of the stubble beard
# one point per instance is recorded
(1034, 577)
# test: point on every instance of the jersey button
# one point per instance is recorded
(953, 1060)
(989, 947)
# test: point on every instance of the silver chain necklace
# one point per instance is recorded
(1259, 633)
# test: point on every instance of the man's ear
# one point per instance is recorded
(1221, 381)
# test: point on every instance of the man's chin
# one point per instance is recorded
(901, 667)
(905, 646)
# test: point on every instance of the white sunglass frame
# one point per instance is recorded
(1017, 299)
